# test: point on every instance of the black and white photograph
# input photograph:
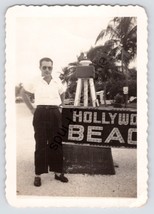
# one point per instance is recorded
(76, 111)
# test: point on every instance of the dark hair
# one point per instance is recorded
(45, 59)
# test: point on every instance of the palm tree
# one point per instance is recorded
(104, 61)
(68, 77)
(123, 32)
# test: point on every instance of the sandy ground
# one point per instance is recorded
(122, 184)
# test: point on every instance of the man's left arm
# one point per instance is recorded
(61, 91)
(62, 96)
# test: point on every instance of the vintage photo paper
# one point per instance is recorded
(76, 106)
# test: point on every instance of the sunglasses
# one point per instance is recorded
(47, 67)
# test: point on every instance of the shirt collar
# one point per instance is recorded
(45, 81)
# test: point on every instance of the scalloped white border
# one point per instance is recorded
(142, 59)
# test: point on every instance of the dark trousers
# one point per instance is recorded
(48, 151)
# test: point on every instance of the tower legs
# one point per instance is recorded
(92, 92)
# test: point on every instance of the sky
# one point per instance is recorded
(60, 38)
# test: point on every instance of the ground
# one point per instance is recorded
(122, 184)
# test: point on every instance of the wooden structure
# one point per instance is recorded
(85, 74)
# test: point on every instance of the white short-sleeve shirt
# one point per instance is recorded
(46, 94)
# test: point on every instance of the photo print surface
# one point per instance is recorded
(76, 106)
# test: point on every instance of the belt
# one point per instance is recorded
(47, 106)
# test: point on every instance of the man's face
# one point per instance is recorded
(46, 68)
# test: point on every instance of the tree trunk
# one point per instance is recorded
(104, 97)
(123, 65)
(122, 61)
(126, 78)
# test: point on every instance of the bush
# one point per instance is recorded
(118, 100)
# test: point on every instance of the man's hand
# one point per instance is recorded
(27, 100)
(33, 110)
(60, 108)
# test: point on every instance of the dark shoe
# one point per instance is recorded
(61, 178)
(116, 165)
(37, 181)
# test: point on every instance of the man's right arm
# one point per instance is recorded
(27, 100)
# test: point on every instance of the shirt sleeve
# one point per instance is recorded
(61, 88)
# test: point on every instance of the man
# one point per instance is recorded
(49, 97)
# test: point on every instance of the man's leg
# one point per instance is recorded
(55, 145)
(40, 155)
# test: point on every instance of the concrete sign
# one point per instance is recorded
(113, 128)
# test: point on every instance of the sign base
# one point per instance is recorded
(87, 159)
